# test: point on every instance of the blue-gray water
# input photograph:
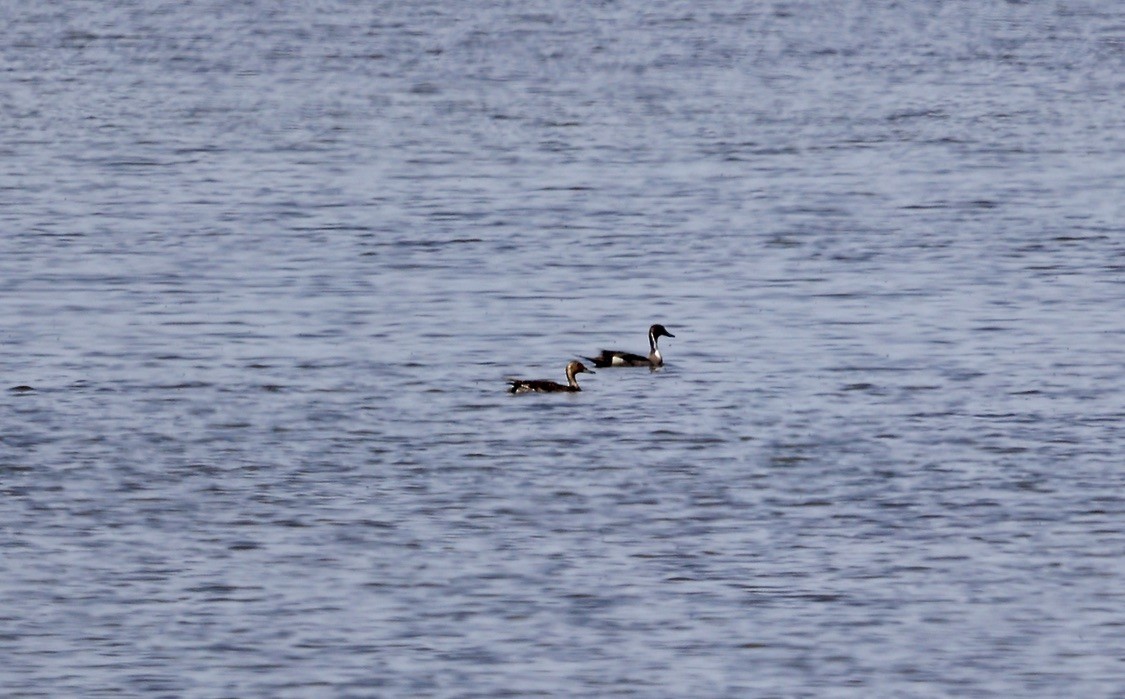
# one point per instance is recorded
(264, 268)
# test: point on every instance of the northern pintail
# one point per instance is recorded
(546, 386)
(609, 358)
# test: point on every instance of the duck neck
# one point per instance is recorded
(571, 380)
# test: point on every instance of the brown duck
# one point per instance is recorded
(546, 386)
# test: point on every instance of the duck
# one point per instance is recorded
(546, 386)
(610, 358)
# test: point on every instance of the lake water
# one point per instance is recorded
(264, 269)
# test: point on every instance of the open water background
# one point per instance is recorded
(264, 267)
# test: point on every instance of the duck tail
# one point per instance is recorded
(598, 362)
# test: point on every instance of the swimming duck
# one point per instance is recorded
(618, 358)
(545, 386)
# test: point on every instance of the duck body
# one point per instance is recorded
(614, 358)
(610, 358)
(548, 386)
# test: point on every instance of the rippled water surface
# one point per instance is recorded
(264, 269)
